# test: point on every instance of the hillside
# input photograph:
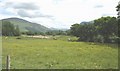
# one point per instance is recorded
(25, 25)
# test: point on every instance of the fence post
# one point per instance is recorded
(8, 63)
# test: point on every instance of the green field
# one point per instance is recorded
(33, 53)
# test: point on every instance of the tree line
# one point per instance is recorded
(104, 29)
(50, 32)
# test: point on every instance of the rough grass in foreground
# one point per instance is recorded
(32, 53)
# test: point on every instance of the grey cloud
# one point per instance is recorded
(98, 6)
(9, 4)
(27, 6)
(24, 13)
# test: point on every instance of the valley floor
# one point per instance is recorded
(36, 53)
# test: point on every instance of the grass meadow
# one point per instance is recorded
(34, 53)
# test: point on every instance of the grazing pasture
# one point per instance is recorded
(36, 53)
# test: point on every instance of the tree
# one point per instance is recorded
(118, 18)
(17, 31)
(118, 9)
(106, 27)
(8, 29)
(86, 32)
(74, 29)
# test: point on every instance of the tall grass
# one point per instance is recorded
(33, 53)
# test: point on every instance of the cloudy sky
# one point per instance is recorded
(57, 13)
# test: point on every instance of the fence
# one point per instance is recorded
(8, 63)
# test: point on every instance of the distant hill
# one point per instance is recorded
(52, 29)
(25, 25)
(84, 22)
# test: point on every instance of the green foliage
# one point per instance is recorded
(9, 29)
(87, 32)
(74, 29)
(33, 33)
(107, 27)
(68, 32)
(17, 31)
(55, 32)
(104, 29)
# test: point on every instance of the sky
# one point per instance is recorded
(57, 13)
